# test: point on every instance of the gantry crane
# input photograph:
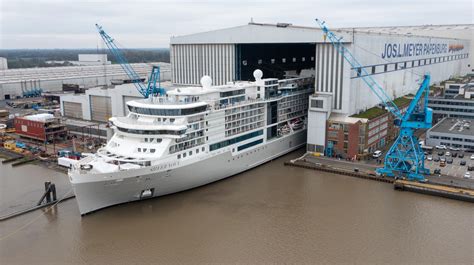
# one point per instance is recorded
(145, 90)
(405, 157)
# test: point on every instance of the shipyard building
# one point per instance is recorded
(396, 59)
(19, 82)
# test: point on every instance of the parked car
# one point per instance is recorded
(377, 154)
(442, 159)
(441, 153)
(429, 158)
(449, 160)
(436, 159)
(442, 163)
(454, 149)
(472, 157)
(470, 168)
(462, 163)
(461, 155)
(467, 175)
(454, 155)
(448, 154)
(437, 171)
(442, 147)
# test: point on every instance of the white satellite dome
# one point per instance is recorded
(206, 81)
(258, 74)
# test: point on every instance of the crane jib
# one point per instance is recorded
(405, 157)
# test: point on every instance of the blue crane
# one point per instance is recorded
(405, 157)
(146, 91)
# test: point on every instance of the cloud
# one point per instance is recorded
(147, 23)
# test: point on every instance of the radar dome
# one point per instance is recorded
(258, 74)
(206, 81)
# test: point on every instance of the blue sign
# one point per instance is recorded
(397, 50)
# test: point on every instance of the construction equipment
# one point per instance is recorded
(11, 145)
(405, 157)
(32, 93)
(145, 90)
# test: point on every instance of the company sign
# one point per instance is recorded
(398, 50)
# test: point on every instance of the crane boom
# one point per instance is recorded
(361, 72)
(405, 156)
(135, 78)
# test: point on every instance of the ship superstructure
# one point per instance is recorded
(193, 136)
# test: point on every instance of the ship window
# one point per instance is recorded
(184, 154)
(179, 156)
(190, 153)
(197, 151)
(139, 149)
(283, 60)
(146, 140)
(152, 150)
(244, 62)
(203, 149)
(273, 61)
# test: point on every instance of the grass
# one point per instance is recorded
(402, 101)
(370, 113)
(375, 112)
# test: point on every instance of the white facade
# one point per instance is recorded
(3, 63)
(96, 58)
(14, 81)
(116, 95)
(455, 31)
(435, 56)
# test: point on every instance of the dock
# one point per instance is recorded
(434, 186)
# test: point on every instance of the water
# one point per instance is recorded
(270, 214)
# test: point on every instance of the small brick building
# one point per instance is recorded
(42, 127)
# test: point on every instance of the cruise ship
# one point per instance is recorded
(193, 136)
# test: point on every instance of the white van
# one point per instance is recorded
(377, 154)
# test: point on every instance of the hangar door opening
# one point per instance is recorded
(72, 109)
(101, 108)
(274, 59)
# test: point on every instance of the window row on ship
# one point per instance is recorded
(167, 112)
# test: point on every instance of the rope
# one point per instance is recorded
(34, 219)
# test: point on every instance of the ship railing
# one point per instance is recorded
(171, 100)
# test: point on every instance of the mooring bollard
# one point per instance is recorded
(47, 185)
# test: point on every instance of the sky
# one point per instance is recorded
(151, 23)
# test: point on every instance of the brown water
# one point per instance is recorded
(272, 214)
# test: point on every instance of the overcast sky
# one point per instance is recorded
(150, 24)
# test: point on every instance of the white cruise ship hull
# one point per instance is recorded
(96, 191)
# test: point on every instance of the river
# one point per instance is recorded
(271, 214)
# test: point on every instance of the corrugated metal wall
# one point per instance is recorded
(329, 69)
(72, 109)
(101, 108)
(192, 61)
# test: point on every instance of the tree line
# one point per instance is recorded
(26, 58)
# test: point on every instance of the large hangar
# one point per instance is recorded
(397, 60)
(234, 53)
